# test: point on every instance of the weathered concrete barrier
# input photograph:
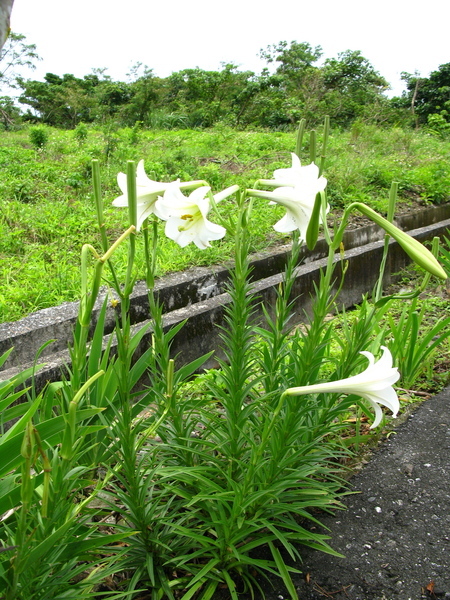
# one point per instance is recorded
(199, 296)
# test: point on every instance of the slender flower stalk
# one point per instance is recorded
(374, 385)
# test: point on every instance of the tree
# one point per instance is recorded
(296, 84)
(61, 101)
(294, 59)
(15, 56)
(206, 97)
(9, 113)
(352, 84)
(144, 94)
(5, 13)
(111, 97)
(351, 73)
(429, 95)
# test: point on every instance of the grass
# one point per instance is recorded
(48, 213)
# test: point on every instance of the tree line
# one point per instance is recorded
(290, 87)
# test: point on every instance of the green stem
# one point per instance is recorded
(299, 138)
(312, 145)
(132, 211)
(326, 133)
(378, 291)
(98, 198)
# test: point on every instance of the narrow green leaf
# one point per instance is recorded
(187, 370)
(39, 551)
(95, 543)
(150, 568)
(231, 585)
(21, 424)
(211, 564)
(284, 573)
(96, 348)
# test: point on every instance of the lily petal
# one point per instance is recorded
(186, 217)
(296, 190)
(374, 385)
(147, 192)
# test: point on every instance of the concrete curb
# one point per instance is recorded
(199, 296)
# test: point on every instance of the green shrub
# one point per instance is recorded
(438, 124)
(38, 137)
(81, 133)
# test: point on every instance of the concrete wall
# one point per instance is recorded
(199, 295)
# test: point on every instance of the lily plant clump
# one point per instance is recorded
(199, 481)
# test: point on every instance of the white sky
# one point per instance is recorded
(170, 35)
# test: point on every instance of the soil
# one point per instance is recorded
(395, 531)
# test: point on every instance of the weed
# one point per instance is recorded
(81, 133)
(39, 137)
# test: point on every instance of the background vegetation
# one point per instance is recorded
(226, 126)
(292, 86)
(48, 210)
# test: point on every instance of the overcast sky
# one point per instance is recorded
(170, 35)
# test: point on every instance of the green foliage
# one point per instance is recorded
(38, 137)
(46, 528)
(438, 124)
(191, 476)
(295, 60)
(14, 56)
(47, 204)
(81, 133)
(414, 340)
(353, 85)
(428, 95)
(445, 253)
(345, 88)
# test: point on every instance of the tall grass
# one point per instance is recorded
(47, 205)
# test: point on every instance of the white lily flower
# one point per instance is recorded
(147, 193)
(185, 217)
(294, 175)
(297, 188)
(374, 385)
(299, 204)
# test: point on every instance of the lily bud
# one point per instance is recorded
(414, 249)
